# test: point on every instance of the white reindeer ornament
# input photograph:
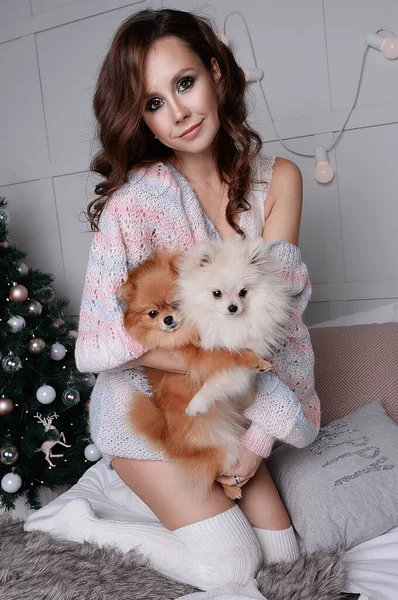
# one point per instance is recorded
(46, 447)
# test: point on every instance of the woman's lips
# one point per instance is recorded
(191, 133)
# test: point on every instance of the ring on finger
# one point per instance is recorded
(238, 480)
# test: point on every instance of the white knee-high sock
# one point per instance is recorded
(278, 545)
(192, 554)
(228, 556)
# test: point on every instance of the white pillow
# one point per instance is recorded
(381, 314)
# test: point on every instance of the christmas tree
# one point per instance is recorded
(44, 439)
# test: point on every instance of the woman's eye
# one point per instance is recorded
(217, 294)
(153, 313)
(243, 292)
(185, 83)
(154, 104)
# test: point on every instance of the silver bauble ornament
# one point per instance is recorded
(89, 379)
(70, 397)
(34, 308)
(6, 406)
(92, 453)
(46, 394)
(11, 363)
(4, 244)
(9, 454)
(4, 216)
(23, 269)
(11, 483)
(72, 334)
(16, 322)
(18, 293)
(35, 345)
(58, 351)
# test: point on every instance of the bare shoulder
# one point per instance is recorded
(283, 205)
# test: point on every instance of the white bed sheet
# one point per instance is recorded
(372, 566)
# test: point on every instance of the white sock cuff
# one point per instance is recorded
(278, 544)
(223, 530)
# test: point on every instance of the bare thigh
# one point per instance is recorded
(159, 485)
(261, 502)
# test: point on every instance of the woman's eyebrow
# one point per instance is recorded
(176, 77)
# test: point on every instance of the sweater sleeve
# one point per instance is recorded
(286, 406)
(102, 341)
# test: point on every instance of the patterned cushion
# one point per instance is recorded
(342, 489)
(355, 365)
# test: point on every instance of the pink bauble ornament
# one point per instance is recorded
(6, 406)
(18, 293)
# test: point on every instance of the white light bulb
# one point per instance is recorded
(389, 47)
(324, 171)
(254, 74)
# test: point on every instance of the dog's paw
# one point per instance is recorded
(263, 365)
(196, 407)
(232, 491)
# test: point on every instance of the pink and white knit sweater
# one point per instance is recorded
(156, 209)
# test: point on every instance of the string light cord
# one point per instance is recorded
(359, 80)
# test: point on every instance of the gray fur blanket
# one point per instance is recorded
(36, 566)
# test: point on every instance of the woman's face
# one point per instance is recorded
(181, 107)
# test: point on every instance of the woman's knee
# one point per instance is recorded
(225, 549)
(235, 565)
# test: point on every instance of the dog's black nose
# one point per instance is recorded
(168, 320)
(232, 308)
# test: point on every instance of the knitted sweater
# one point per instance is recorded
(155, 209)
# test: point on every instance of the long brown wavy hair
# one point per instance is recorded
(119, 101)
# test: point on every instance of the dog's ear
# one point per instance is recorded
(128, 289)
(174, 262)
(204, 254)
(257, 252)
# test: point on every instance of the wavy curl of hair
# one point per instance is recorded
(119, 100)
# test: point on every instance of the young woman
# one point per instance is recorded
(180, 164)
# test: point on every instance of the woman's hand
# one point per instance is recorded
(245, 469)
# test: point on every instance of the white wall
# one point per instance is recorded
(310, 52)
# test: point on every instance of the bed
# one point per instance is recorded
(372, 565)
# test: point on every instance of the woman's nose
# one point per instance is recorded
(180, 111)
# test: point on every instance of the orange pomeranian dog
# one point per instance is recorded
(209, 443)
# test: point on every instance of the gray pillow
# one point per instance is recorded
(343, 488)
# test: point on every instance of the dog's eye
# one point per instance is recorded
(243, 292)
(153, 313)
(217, 294)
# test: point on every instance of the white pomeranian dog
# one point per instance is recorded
(234, 293)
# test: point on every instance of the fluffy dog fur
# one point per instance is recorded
(158, 315)
(235, 295)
